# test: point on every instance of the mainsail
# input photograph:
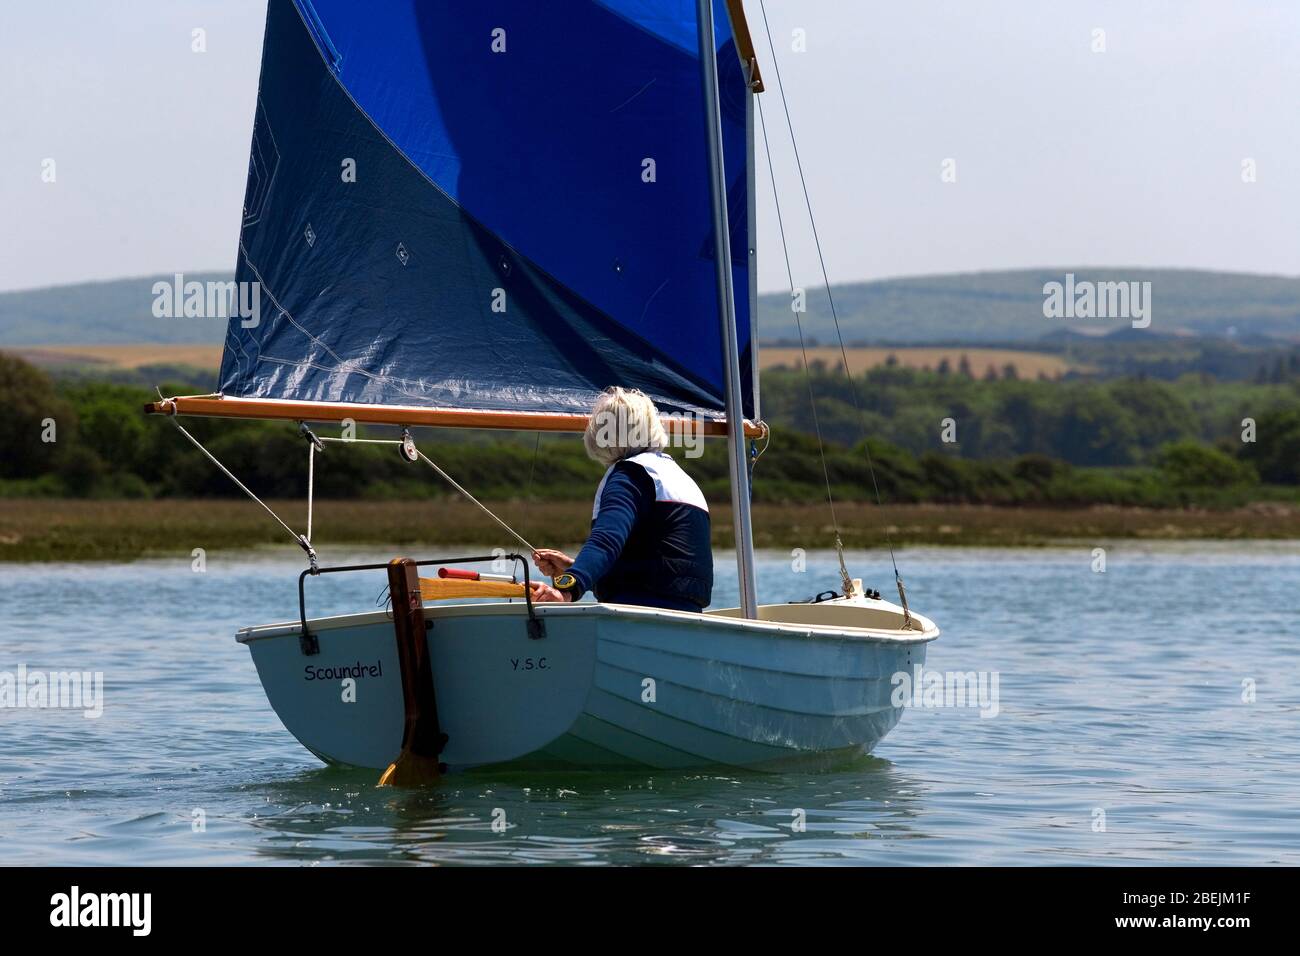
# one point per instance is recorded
(490, 206)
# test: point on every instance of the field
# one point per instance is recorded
(77, 530)
(1028, 364)
(118, 356)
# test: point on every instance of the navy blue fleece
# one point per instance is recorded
(623, 501)
(644, 551)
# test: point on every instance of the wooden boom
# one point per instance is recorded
(412, 415)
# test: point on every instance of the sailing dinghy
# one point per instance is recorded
(478, 216)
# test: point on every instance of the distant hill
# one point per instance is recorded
(972, 308)
(117, 312)
(1007, 307)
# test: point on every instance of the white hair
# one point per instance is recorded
(624, 421)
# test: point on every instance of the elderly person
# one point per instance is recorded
(649, 541)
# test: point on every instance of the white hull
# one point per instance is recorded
(608, 686)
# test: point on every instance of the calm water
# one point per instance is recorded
(1120, 694)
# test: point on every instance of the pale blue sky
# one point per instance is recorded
(1064, 156)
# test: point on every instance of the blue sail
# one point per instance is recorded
(489, 205)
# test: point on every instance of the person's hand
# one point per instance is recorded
(551, 562)
(544, 593)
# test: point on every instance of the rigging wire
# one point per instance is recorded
(447, 478)
(303, 541)
(830, 298)
(482, 507)
(537, 447)
(362, 441)
(532, 471)
(311, 483)
(812, 400)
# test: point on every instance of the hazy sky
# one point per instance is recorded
(1064, 156)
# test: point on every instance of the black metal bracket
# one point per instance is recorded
(309, 643)
(536, 626)
(307, 640)
(310, 435)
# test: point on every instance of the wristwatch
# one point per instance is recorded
(566, 582)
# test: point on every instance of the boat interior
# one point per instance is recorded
(853, 613)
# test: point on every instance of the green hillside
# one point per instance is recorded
(1006, 307)
(985, 307)
(119, 311)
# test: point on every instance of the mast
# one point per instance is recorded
(727, 316)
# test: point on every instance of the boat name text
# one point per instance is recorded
(354, 671)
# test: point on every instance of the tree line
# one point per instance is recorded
(1122, 442)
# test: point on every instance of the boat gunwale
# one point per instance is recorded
(928, 633)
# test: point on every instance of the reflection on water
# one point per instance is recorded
(1123, 735)
(338, 816)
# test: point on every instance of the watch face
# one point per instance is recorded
(565, 580)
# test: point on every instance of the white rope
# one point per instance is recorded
(311, 482)
(446, 477)
(485, 509)
(298, 539)
(362, 441)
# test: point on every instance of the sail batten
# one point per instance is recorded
(487, 207)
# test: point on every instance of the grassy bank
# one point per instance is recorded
(78, 530)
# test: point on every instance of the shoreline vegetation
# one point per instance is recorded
(1150, 443)
(58, 529)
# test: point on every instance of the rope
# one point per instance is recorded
(484, 508)
(362, 441)
(767, 440)
(311, 483)
(303, 541)
(532, 472)
(846, 581)
(446, 477)
(830, 298)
